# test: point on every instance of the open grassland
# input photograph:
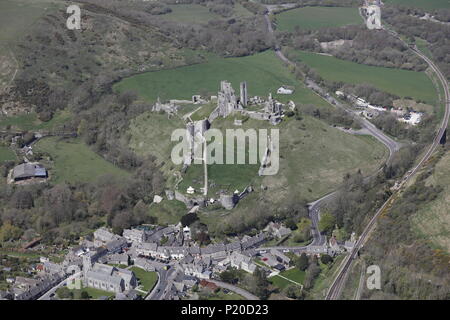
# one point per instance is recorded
(150, 134)
(73, 161)
(6, 154)
(314, 157)
(424, 4)
(190, 13)
(168, 212)
(403, 83)
(432, 221)
(263, 72)
(18, 16)
(311, 18)
(147, 279)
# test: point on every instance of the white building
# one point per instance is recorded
(284, 90)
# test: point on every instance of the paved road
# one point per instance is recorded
(162, 286)
(49, 293)
(339, 282)
(235, 289)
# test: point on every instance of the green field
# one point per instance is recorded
(314, 157)
(6, 154)
(73, 161)
(147, 279)
(403, 83)
(263, 72)
(293, 274)
(424, 4)
(432, 222)
(31, 122)
(168, 212)
(190, 13)
(316, 18)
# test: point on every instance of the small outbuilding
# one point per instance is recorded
(27, 171)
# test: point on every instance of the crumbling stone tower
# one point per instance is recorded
(226, 99)
(244, 96)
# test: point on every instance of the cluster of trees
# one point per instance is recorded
(354, 201)
(257, 283)
(364, 46)
(65, 211)
(371, 94)
(310, 265)
(334, 117)
(436, 34)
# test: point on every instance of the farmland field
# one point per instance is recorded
(73, 161)
(424, 4)
(263, 72)
(316, 18)
(403, 83)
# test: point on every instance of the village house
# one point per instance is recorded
(135, 235)
(117, 258)
(240, 261)
(116, 246)
(146, 249)
(249, 242)
(144, 264)
(214, 251)
(277, 230)
(27, 171)
(197, 267)
(281, 257)
(103, 235)
(285, 90)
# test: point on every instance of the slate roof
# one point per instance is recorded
(28, 170)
